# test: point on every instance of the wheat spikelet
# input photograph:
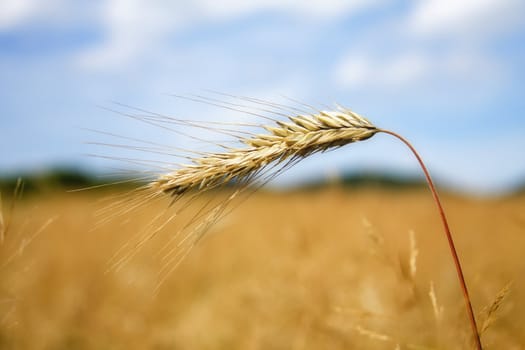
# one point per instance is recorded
(297, 139)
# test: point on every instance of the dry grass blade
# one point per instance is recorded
(436, 308)
(5, 223)
(2, 225)
(414, 252)
(24, 243)
(385, 338)
(491, 310)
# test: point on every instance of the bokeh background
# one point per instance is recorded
(448, 75)
(356, 263)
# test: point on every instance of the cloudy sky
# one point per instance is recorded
(449, 75)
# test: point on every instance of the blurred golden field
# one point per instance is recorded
(324, 269)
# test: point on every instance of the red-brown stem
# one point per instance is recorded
(459, 270)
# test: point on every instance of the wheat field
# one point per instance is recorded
(324, 269)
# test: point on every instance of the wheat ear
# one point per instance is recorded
(302, 136)
(299, 138)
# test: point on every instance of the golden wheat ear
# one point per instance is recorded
(299, 137)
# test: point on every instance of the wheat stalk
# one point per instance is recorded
(448, 235)
(301, 136)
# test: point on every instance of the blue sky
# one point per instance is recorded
(449, 75)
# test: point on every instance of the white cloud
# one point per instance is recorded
(453, 50)
(15, 12)
(134, 27)
(358, 70)
(131, 27)
(313, 8)
(466, 17)
(413, 69)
